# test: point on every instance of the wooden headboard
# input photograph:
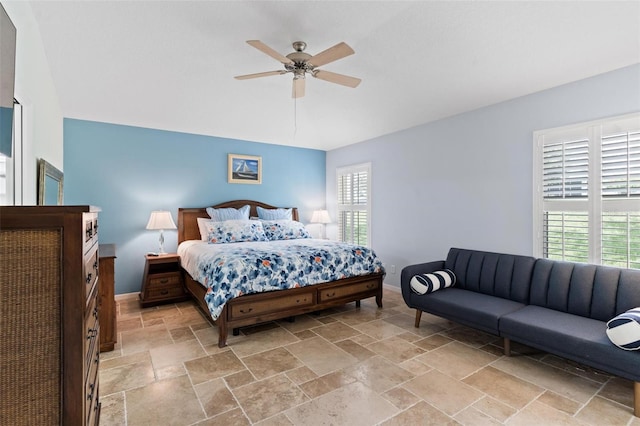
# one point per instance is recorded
(188, 217)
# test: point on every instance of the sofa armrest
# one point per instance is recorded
(409, 271)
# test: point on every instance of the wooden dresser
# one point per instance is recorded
(49, 325)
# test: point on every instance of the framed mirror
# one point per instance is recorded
(50, 182)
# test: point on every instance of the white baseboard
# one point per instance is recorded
(127, 296)
(392, 288)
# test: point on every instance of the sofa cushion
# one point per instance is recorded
(503, 275)
(428, 283)
(570, 336)
(466, 307)
(624, 330)
(598, 292)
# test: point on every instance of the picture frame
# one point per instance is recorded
(244, 169)
(50, 184)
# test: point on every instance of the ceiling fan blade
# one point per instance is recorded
(298, 88)
(333, 77)
(334, 53)
(259, 74)
(269, 51)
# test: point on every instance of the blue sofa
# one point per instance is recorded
(558, 307)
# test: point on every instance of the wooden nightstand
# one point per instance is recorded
(162, 281)
(106, 297)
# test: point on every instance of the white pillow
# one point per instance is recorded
(202, 227)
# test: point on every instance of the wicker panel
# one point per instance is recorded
(30, 320)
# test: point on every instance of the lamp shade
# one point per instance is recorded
(320, 216)
(161, 219)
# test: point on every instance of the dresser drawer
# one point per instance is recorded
(94, 413)
(91, 386)
(345, 291)
(90, 229)
(91, 328)
(260, 307)
(90, 270)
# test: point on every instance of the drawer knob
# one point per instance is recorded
(246, 311)
(370, 285)
(164, 280)
(331, 294)
(164, 292)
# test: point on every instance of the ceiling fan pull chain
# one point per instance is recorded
(295, 118)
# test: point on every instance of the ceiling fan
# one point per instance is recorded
(300, 63)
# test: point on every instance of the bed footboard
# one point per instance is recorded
(262, 307)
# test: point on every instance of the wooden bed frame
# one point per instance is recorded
(262, 307)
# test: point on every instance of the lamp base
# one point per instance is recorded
(161, 243)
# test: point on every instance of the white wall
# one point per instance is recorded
(466, 181)
(34, 89)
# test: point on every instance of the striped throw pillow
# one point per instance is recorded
(624, 330)
(428, 283)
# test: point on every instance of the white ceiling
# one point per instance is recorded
(170, 64)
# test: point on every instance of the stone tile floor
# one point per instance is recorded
(343, 366)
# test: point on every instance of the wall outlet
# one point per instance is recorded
(392, 269)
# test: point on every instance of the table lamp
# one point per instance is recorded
(161, 219)
(321, 216)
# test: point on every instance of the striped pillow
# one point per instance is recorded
(624, 330)
(428, 283)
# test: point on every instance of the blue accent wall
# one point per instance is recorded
(130, 171)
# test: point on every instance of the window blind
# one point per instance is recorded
(566, 169)
(354, 204)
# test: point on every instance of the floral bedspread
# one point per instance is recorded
(231, 270)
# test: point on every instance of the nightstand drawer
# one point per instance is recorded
(168, 279)
(165, 291)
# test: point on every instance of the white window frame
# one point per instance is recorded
(366, 207)
(594, 204)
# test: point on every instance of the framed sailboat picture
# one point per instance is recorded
(244, 169)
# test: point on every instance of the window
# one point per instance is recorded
(587, 192)
(11, 167)
(354, 204)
